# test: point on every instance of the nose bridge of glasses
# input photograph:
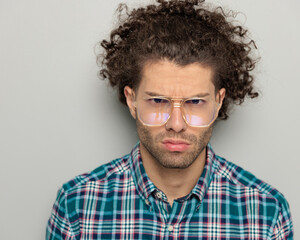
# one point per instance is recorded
(176, 104)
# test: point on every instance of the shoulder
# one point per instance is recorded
(79, 195)
(104, 174)
(244, 179)
(261, 200)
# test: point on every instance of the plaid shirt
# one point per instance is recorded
(119, 201)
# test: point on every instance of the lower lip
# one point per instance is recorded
(176, 147)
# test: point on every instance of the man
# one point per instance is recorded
(178, 66)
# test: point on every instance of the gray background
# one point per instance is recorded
(58, 120)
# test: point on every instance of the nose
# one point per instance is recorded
(176, 121)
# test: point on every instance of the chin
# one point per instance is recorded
(174, 160)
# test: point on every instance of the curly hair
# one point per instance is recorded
(184, 32)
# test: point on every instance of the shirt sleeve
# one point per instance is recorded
(59, 226)
(283, 229)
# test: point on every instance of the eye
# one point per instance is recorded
(158, 100)
(194, 101)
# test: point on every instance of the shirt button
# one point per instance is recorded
(158, 195)
(170, 228)
(147, 201)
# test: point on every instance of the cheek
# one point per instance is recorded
(143, 132)
(199, 132)
(150, 134)
(205, 134)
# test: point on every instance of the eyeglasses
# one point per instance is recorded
(196, 112)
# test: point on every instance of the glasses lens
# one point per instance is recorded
(198, 112)
(154, 111)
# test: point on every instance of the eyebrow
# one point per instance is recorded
(200, 95)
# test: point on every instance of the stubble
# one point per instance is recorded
(168, 159)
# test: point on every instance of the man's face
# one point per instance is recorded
(174, 144)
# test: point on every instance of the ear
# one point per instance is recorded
(130, 99)
(220, 96)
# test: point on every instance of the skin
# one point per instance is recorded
(173, 172)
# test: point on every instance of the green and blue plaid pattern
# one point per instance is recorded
(119, 201)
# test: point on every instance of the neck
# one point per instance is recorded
(174, 182)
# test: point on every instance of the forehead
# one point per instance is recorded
(169, 79)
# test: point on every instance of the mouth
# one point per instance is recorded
(175, 145)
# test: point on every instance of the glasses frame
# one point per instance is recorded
(177, 103)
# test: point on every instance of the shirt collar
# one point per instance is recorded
(145, 187)
(207, 174)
